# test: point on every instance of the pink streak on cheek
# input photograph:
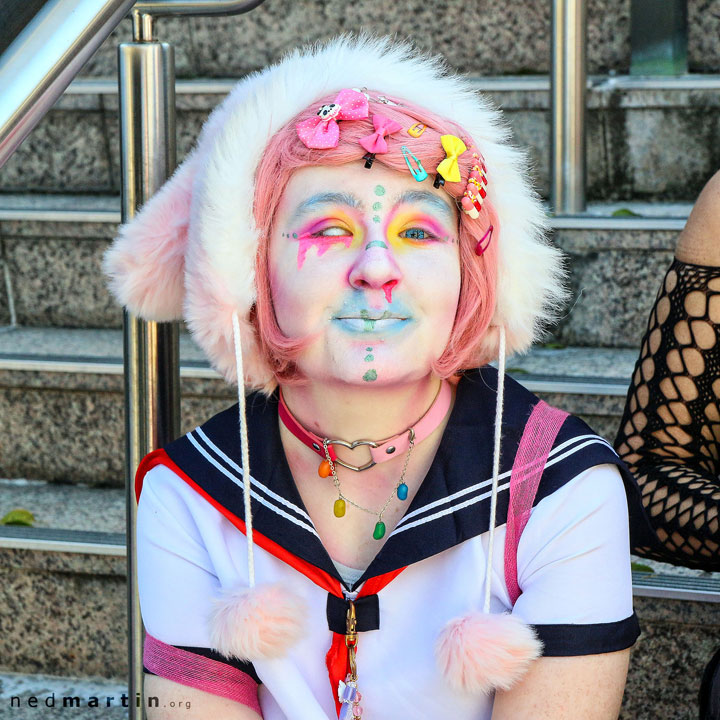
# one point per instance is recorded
(323, 244)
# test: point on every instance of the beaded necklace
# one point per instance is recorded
(380, 451)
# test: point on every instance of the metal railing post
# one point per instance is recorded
(42, 60)
(152, 378)
(568, 82)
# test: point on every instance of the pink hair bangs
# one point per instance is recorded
(285, 153)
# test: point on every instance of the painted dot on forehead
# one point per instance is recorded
(379, 190)
(376, 218)
(377, 206)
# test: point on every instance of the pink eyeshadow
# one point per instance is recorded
(306, 239)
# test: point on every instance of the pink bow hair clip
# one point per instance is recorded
(322, 131)
(375, 142)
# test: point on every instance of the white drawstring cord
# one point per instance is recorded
(244, 449)
(496, 463)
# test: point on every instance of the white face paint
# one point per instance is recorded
(368, 260)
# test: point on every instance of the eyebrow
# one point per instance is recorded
(326, 198)
(424, 196)
(343, 198)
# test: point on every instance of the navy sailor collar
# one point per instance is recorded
(452, 504)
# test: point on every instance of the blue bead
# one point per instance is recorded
(402, 491)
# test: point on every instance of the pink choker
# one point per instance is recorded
(379, 451)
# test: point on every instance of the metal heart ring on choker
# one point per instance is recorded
(381, 450)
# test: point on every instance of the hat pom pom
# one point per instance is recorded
(480, 652)
(257, 623)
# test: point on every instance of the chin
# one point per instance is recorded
(369, 374)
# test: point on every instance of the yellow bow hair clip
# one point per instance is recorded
(454, 147)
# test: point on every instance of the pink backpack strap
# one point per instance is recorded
(537, 440)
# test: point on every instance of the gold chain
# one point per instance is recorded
(336, 480)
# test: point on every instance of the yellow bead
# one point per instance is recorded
(339, 507)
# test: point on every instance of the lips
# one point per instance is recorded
(367, 317)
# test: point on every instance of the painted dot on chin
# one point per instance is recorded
(370, 376)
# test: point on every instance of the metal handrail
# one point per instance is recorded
(568, 87)
(159, 8)
(42, 60)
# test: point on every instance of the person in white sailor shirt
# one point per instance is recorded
(418, 539)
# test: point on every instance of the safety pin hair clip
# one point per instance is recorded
(380, 98)
(417, 171)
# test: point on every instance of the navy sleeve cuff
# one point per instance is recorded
(569, 640)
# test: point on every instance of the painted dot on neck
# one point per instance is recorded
(379, 190)
(377, 206)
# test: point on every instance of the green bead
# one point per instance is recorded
(339, 507)
(379, 531)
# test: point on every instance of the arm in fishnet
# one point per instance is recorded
(670, 431)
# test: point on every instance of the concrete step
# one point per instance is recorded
(647, 139)
(53, 248)
(515, 36)
(61, 397)
(43, 569)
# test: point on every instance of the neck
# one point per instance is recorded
(344, 412)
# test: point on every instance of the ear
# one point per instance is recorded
(146, 262)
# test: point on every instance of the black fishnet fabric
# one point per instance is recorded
(670, 431)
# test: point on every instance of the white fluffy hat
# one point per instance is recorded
(190, 252)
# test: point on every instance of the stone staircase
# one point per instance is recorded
(651, 146)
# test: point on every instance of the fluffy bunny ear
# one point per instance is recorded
(146, 263)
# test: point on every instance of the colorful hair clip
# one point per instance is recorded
(375, 142)
(418, 172)
(417, 129)
(448, 168)
(475, 192)
(483, 244)
(322, 132)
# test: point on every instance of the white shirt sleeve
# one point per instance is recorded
(176, 578)
(574, 567)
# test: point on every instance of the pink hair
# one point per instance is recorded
(286, 153)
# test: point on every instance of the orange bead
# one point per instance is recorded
(324, 469)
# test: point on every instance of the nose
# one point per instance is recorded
(375, 268)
